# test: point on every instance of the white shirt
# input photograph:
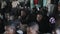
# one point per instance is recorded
(14, 4)
(50, 9)
(3, 4)
(20, 31)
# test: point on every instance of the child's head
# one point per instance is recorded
(32, 28)
(10, 30)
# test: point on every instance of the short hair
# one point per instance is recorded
(33, 25)
(26, 10)
(40, 13)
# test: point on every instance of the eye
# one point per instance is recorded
(37, 32)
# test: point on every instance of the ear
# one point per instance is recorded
(29, 29)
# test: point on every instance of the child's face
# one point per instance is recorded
(10, 30)
(39, 17)
(31, 31)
